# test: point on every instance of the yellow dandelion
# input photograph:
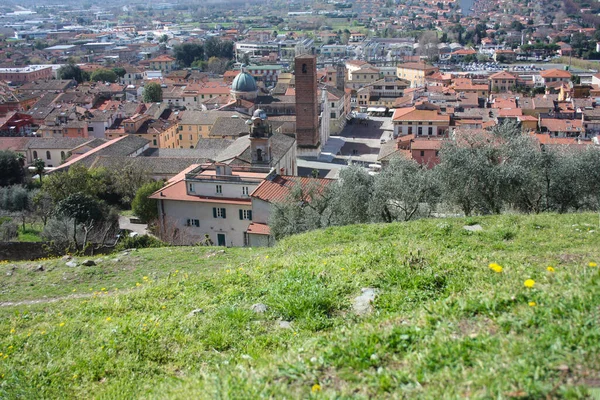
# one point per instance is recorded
(266, 256)
(5, 356)
(495, 267)
(550, 269)
(529, 283)
(176, 271)
(532, 304)
(138, 284)
(316, 388)
(75, 376)
(145, 278)
(108, 319)
(342, 269)
(592, 264)
(228, 270)
(61, 324)
(9, 347)
(43, 332)
(241, 269)
(12, 330)
(74, 290)
(103, 289)
(163, 307)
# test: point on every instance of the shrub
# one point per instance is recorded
(8, 231)
(139, 242)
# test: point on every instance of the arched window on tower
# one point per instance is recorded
(259, 155)
(304, 69)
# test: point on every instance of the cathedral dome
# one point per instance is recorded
(244, 82)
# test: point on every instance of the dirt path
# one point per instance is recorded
(57, 299)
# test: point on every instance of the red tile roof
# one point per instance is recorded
(555, 73)
(277, 190)
(258, 229)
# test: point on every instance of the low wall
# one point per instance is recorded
(23, 251)
(20, 251)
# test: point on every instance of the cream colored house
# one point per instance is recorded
(415, 73)
(213, 200)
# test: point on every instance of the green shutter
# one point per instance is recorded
(250, 215)
(215, 212)
(241, 214)
(223, 213)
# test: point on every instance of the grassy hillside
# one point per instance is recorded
(444, 324)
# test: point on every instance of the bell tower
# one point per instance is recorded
(307, 111)
(260, 138)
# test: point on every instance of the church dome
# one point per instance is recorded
(244, 82)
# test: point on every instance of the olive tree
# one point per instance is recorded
(305, 208)
(351, 196)
(404, 190)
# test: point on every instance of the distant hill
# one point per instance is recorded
(508, 307)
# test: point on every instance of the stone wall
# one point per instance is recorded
(24, 251)
(20, 251)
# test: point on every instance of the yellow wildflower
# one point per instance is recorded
(592, 264)
(145, 278)
(163, 307)
(138, 284)
(532, 304)
(316, 388)
(529, 283)
(108, 319)
(12, 330)
(103, 289)
(61, 324)
(550, 269)
(495, 267)
(75, 376)
(74, 290)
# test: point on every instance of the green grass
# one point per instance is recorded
(31, 233)
(444, 326)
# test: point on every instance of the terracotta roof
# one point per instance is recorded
(178, 192)
(555, 73)
(426, 144)
(562, 125)
(162, 58)
(502, 75)
(277, 189)
(414, 65)
(412, 114)
(258, 229)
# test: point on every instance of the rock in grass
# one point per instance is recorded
(285, 324)
(88, 263)
(363, 304)
(259, 308)
(473, 228)
(196, 311)
(71, 264)
(66, 258)
(40, 268)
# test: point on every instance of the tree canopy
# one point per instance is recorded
(104, 75)
(11, 171)
(187, 53)
(152, 93)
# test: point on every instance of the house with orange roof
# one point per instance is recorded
(420, 122)
(162, 63)
(502, 81)
(562, 127)
(553, 78)
(415, 72)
